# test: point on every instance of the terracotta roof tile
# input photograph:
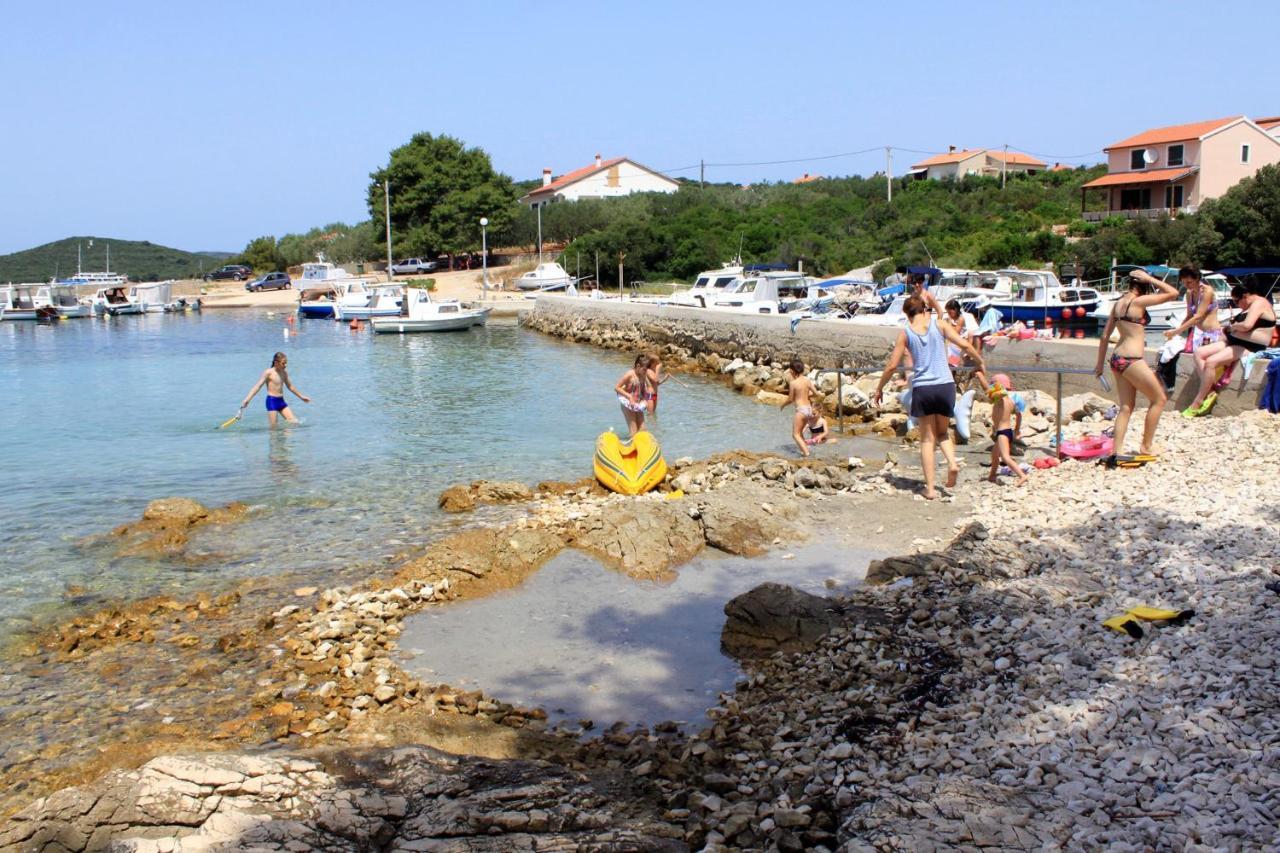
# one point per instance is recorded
(1268, 123)
(1149, 176)
(951, 157)
(575, 176)
(1173, 133)
(1015, 158)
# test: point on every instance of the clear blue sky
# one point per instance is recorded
(203, 125)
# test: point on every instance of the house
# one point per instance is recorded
(1171, 170)
(602, 179)
(806, 178)
(976, 161)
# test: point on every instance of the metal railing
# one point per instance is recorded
(1140, 213)
(1058, 371)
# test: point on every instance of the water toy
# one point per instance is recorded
(629, 467)
(1088, 447)
(964, 412)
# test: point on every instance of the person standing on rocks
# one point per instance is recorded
(1133, 375)
(800, 392)
(933, 388)
(276, 378)
(632, 390)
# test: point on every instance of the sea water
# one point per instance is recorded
(101, 416)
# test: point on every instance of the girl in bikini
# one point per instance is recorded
(1201, 324)
(1133, 375)
(1250, 331)
(632, 390)
(655, 378)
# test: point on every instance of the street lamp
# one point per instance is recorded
(484, 254)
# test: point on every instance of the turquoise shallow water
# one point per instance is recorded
(101, 416)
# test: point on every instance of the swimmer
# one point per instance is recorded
(800, 392)
(276, 378)
(632, 390)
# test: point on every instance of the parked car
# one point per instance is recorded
(270, 281)
(233, 272)
(410, 266)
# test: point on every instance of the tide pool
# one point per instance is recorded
(100, 416)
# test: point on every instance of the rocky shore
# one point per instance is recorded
(968, 696)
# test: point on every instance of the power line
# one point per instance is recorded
(802, 159)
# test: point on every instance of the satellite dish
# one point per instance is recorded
(1150, 156)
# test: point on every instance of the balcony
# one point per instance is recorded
(1148, 213)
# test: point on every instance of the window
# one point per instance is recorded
(1175, 155)
(1135, 159)
(1244, 153)
(1135, 199)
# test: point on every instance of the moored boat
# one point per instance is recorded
(384, 301)
(67, 302)
(115, 301)
(1037, 296)
(26, 301)
(421, 313)
(324, 285)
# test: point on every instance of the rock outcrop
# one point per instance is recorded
(464, 497)
(644, 539)
(166, 525)
(773, 618)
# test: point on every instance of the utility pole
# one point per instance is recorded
(621, 255)
(386, 202)
(888, 173)
(1004, 165)
(702, 174)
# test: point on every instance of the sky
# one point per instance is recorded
(204, 125)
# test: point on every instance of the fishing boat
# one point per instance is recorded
(545, 276)
(325, 285)
(115, 301)
(1037, 295)
(421, 313)
(384, 301)
(26, 302)
(67, 302)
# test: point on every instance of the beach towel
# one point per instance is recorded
(1167, 364)
(990, 322)
(1270, 399)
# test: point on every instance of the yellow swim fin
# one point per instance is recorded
(674, 495)
(1158, 614)
(1125, 624)
(1135, 461)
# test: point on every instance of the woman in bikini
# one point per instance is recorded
(632, 390)
(1133, 375)
(933, 388)
(1201, 325)
(1249, 331)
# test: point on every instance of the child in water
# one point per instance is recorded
(655, 377)
(276, 378)
(1006, 423)
(801, 393)
(632, 390)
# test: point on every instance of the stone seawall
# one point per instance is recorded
(637, 325)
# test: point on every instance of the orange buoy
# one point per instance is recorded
(1066, 313)
(1080, 311)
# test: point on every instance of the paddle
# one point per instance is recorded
(230, 421)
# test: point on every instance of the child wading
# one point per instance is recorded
(276, 378)
(633, 391)
(801, 392)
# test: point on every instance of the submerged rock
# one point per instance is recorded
(464, 497)
(165, 527)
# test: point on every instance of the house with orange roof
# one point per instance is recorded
(602, 179)
(806, 178)
(1170, 170)
(974, 161)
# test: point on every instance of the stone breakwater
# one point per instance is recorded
(687, 335)
(967, 697)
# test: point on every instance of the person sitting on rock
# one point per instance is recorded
(800, 392)
(818, 433)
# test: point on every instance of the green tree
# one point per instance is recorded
(262, 255)
(439, 191)
(1241, 227)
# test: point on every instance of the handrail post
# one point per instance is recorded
(1057, 421)
(840, 399)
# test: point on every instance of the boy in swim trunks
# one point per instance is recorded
(1004, 413)
(801, 392)
(276, 378)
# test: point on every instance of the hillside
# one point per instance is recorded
(140, 260)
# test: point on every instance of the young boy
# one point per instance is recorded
(801, 392)
(276, 378)
(1006, 422)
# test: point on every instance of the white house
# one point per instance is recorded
(602, 179)
(976, 161)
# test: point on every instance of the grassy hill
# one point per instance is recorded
(140, 260)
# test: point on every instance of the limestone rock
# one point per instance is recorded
(735, 521)
(643, 538)
(770, 398)
(462, 498)
(773, 617)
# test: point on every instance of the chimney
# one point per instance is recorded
(597, 161)
(546, 177)
(951, 149)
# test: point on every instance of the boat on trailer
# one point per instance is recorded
(421, 313)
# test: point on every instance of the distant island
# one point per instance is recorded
(138, 259)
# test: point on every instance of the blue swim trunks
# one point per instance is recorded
(276, 404)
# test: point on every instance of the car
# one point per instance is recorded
(234, 272)
(409, 266)
(270, 281)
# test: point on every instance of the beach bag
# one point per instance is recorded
(1270, 399)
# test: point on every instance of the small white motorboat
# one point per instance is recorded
(421, 313)
(546, 276)
(68, 303)
(155, 297)
(707, 286)
(26, 302)
(384, 301)
(115, 301)
(324, 285)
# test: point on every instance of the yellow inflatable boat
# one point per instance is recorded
(629, 467)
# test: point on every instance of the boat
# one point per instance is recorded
(545, 276)
(67, 302)
(324, 285)
(1167, 315)
(421, 313)
(115, 301)
(26, 302)
(384, 301)
(94, 279)
(762, 292)
(630, 467)
(1036, 296)
(155, 297)
(707, 286)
